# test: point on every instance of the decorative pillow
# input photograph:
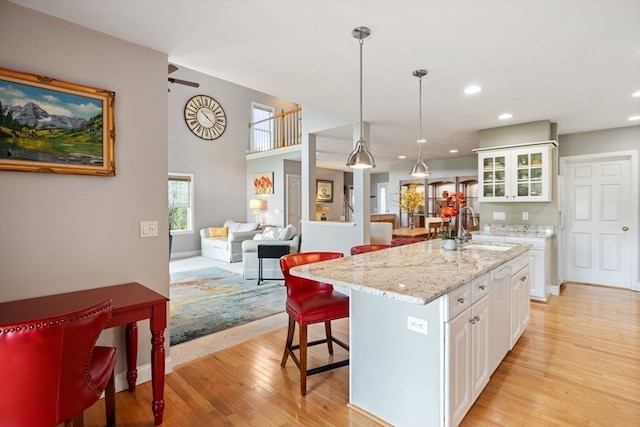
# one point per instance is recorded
(270, 233)
(218, 231)
(287, 233)
(232, 225)
(248, 226)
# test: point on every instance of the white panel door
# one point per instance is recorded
(599, 222)
(294, 201)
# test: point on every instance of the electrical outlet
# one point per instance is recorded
(417, 325)
(525, 216)
(499, 216)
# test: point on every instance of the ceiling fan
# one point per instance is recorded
(173, 68)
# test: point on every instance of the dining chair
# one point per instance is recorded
(51, 370)
(361, 249)
(309, 302)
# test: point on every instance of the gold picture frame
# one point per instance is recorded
(324, 190)
(52, 126)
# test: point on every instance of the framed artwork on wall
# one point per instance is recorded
(324, 190)
(263, 183)
(47, 125)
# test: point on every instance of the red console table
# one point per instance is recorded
(131, 302)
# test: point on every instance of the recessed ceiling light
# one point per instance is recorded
(472, 89)
(453, 151)
(633, 118)
(505, 116)
(402, 157)
(636, 94)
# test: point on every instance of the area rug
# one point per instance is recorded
(211, 299)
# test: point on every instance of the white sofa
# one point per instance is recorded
(227, 248)
(270, 267)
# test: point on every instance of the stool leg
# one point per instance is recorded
(287, 346)
(110, 401)
(327, 330)
(303, 360)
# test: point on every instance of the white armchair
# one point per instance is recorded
(226, 245)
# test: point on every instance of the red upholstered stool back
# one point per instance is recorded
(50, 369)
(360, 249)
(399, 241)
(296, 284)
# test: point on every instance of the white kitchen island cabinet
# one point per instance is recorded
(419, 328)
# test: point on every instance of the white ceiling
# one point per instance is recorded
(575, 63)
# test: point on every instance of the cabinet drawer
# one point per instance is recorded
(457, 301)
(480, 287)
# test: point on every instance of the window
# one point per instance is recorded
(180, 203)
(261, 136)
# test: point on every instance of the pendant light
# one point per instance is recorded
(360, 157)
(420, 169)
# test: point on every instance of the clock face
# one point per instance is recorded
(205, 117)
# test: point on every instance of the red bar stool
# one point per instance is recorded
(311, 302)
(360, 249)
(399, 241)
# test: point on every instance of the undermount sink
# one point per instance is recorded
(487, 247)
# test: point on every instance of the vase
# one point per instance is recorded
(411, 222)
(450, 244)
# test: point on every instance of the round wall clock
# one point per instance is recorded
(205, 117)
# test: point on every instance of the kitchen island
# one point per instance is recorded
(421, 331)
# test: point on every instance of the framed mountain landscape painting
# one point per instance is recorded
(51, 126)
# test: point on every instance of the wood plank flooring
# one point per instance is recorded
(577, 364)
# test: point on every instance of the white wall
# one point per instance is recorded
(61, 233)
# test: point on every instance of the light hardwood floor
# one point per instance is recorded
(577, 364)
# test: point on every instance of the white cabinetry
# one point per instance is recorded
(515, 174)
(539, 260)
(520, 304)
(500, 320)
(467, 335)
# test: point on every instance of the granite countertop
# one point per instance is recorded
(417, 273)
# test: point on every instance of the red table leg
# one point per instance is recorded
(157, 374)
(132, 354)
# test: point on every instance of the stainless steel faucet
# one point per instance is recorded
(463, 234)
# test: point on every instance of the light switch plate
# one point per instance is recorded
(499, 215)
(148, 228)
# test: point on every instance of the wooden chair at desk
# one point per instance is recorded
(51, 370)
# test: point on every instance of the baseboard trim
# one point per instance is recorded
(186, 254)
(144, 374)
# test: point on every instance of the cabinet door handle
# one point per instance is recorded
(481, 287)
(523, 278)
(472, 321)
(477, 318)
(461, 300)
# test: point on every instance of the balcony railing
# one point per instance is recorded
(278, 131)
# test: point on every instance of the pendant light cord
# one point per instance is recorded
(420, 129)
(361, 123)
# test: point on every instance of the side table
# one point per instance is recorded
(270, 251)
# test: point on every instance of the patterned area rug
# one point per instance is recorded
(210, 300)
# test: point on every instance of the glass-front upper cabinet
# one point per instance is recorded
(515, 174)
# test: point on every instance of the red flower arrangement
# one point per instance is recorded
(453, 203)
